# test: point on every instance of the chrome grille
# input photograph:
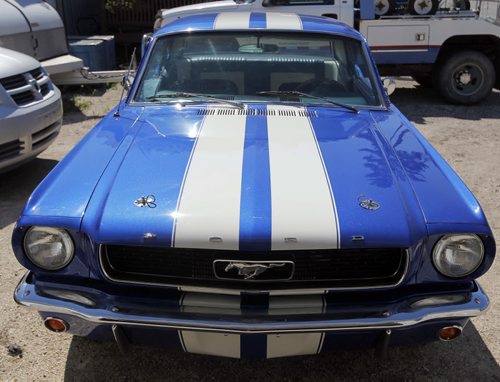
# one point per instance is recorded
(334, 268)
(28, 87)
(13, 82)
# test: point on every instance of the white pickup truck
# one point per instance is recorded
(30, 109)
(34, 27)
(455, 50)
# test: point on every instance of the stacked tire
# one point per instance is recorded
(414, 7)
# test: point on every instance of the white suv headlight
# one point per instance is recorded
(458, 255)
(49, 248)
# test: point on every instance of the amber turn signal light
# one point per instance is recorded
(449, 333)
(56, 325)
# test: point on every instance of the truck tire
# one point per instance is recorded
(385, 7)
(423, 7)
(424, 80)
(465, 77)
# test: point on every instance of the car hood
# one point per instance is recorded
(13, 63)
(275, 178)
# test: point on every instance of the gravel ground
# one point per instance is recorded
(468, 137)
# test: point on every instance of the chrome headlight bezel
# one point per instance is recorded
(464, 261)
(45, 258)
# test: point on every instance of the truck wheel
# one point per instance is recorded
(465, 78)
(423, 7)
(424, 80)
(385, 7)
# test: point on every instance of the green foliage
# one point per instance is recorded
(113, 5)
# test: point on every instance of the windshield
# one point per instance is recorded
(250, 66)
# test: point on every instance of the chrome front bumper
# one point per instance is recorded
(97, 307)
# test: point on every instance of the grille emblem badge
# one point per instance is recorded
(249, 271)
(253, 270)
(34, 85)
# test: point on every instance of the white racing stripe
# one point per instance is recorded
(283, 21)
(232, 20)
(303, 210)
(290, 305)
(218, 344)
(286, 345)
(211, 303)
(208, 214)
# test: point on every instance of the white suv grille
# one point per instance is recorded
(28, 87)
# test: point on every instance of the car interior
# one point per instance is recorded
(234, 67)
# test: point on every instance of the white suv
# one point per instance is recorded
(30, 109)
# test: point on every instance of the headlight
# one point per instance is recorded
(48, 247)
(458, 255)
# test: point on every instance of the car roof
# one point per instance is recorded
(273, 21)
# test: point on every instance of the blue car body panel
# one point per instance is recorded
(127, 182)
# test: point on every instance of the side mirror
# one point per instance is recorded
(389, 85)
(146, 39)
(128, 80)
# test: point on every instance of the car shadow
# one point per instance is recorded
(17, 185)
(418, 103)
(463, 359)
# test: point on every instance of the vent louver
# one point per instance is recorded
(259, 112)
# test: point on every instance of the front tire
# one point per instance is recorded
(423, 7)
(465, 78)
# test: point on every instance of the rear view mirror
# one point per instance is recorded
(389, 85)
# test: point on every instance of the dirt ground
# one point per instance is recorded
(468, 137)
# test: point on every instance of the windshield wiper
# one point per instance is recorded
(297, 93)
(239, 105)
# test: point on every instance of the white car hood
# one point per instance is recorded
(12, 63)
(169, 15)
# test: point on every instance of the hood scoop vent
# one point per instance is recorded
(259, 112)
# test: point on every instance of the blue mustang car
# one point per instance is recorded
(256, 195)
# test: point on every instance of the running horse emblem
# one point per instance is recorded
(250, 271)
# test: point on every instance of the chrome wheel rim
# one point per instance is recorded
(468, 79)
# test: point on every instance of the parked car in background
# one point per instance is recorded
(34, 28)
(256, 195)
(30, 109)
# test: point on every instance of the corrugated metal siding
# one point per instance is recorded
(143, 14)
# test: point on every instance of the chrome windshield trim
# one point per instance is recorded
(394, 315)
(252, 103)
(237, 291)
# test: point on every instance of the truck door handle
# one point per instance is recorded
(420, 37)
